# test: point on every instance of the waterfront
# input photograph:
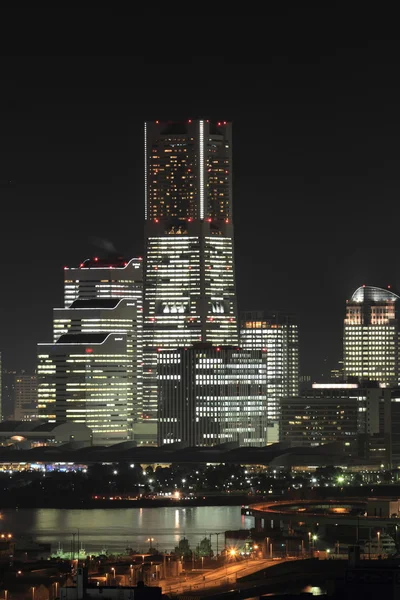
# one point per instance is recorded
(118, 529)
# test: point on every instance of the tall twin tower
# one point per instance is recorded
(102, 365)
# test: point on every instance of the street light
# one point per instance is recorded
(33, 592)
(379, 541)
(314, 539)
(113, 569)
(217, 534)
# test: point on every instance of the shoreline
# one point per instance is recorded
(90, 503)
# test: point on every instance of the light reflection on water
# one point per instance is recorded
(117, 529)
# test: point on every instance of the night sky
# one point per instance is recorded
(316, 177)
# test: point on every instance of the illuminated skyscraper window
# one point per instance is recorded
(102, 297)
(212, 395)
(371, 336)
(189, 261)
(276, 334)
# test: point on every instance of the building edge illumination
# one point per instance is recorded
(201, 153)
(145, 171)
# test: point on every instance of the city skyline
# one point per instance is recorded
(303, 160)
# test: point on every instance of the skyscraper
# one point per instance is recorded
(104, 278)
(371, 336)
(88, 379)
(212, 395)
(276, 334)
(189, 261)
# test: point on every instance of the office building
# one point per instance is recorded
(276, 334)
(189, 260)
(211, 395)
(87, 378)
(8, 393)
(104, 278)
(337, 373)
(109, 400)
(333, 412)
(26, 397)
(371, 336)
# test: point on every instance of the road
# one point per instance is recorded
(216, 577)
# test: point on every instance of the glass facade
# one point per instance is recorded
(275, 334)
(102, 297)
(189, 262)
(88, 379)
(371, 336)
(212, 395)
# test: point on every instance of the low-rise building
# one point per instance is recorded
(29, 434)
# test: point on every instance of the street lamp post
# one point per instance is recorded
(217, 534)
(379, 542)
(314, 538)
(33, 592)
(267, 547)
(150, 540)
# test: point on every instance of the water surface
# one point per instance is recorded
(117, 529)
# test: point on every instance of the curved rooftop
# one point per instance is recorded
(369, 293)
(275, 454)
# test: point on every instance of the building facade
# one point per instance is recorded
(102, 297)
(26, 397)
(189, 259)
(210, 395)
(87, 378)
(104, 278)
(371, 336)
(276, 334)
(333, 412)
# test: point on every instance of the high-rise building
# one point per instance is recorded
(189, 261)
(8, 393)
(87, 378)
(211, 395)
(102, 297)
(26, 397)
(1, 390)
(104, 278)
(276, 334)
(371, 336)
